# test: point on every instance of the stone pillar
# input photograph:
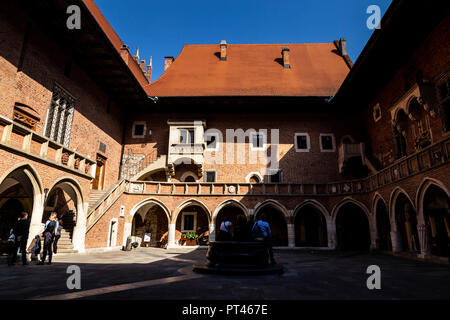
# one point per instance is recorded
(212, 232)
(79, 232)
(395, 238)
(424, 239)
(331, 230)
(291, 235)
(127, 227)
(373, 237)
(171, 235)
(36, 225)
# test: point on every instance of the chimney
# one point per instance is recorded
(125, 53)
(148, 72)
(142, 65)
(223, 50)
(285, 54)
(167, 62)
(136, 57)
(341, 46)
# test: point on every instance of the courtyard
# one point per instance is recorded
(150, 273)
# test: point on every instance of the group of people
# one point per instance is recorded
(258, 230)
(50, 237)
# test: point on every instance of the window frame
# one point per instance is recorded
(182, 221)
(333, 141)
(270, 174)
(139, 123)
(216, 148)
(264, 141)
(308, 141)
(206, 176)
(188, 136)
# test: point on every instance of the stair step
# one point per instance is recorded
(67, 251)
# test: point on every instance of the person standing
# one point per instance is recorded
(49, 234)
(261, 232)
(57, 235)
(225, 232)
(20, 231)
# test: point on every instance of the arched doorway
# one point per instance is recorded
(16, 195)
(352, 228)
(383, 227)
(275, 217)
(436, 208)
(65, 199)
(230, 211)
(406, 221)
(193, 218)
(150, 222)
(310, 227)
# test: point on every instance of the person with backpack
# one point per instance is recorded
(49, 234)
(57, 235)
(20, 232)
(35, 248)
(225, 232)
(261, 232)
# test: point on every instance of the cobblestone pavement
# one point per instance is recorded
(155, 274)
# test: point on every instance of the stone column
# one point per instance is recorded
(212, 232)
(424, 239)
(36, 225)
(331, 231)
(395, 238)
(373, 237)
(127, 227)
(79, 232)
(171, 235)
(291, 235)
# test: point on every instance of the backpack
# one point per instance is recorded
(50, 227)
(256, 231)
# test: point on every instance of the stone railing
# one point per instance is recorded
(428, 158)
(20, 139)
(108, 199)
(244, 189)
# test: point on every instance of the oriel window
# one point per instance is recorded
(60, 117)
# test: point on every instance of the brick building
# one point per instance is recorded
(335, 154)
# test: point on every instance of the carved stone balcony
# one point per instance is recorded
(177, 152)
(350, 150)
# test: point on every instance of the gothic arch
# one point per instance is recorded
(150, 201)
(350, 200)
(393, 199)
(422, 190)
(187, 203)
(314, 203)
(229, 202)
(275, 204)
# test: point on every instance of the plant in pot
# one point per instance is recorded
(191, 238)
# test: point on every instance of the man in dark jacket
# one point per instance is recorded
(20, 231)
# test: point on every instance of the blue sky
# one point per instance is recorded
(160, 27)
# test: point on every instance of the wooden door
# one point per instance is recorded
(98, 182)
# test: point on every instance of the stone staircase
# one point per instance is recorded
(65, 241)
(94, 197)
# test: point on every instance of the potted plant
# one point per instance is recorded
(191, 238)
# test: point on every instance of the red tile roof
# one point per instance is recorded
(253, 70)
